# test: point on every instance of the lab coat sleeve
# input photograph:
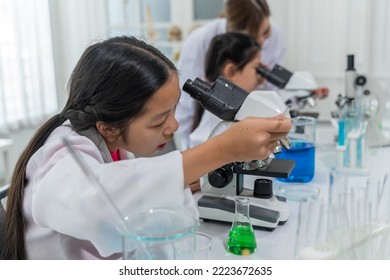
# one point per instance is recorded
(65, 200)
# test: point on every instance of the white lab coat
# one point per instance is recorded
(67, 217)
(191, 65)
(205, 128)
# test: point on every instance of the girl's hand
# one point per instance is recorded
(195, 186)
(321, 92)
(253, 138)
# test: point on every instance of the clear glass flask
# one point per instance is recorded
(242, 240)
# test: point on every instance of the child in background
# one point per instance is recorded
(235, 56)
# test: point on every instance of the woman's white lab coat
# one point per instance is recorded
(66, 215)
(191, 65)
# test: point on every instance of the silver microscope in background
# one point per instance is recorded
(219, 188)
(299, 84)
(358, 120)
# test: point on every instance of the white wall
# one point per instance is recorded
(319, 35)
(74, 25)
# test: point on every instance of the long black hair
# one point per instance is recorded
(111, 83)
(230, 47)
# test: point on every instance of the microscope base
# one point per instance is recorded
(264, 213)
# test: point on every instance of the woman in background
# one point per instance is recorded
(120, 112)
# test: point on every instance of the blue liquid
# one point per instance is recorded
(303, 154)
(341, 134)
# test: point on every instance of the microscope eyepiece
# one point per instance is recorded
(223, 98)
(351, 62)
(278, 76)
(202, 84)
(263, 71)
(197, 89)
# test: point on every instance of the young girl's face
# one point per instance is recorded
(151, 132)
(247, 78)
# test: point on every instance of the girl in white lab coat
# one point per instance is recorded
(120, 111)
(235, 56)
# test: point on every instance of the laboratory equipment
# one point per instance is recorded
(284, 79)
(300, 83)
(354, 224)
(193, 247)
(302, 138)
(152, 234)
(220, 187)
(241, 240)
(358, 120)
(298, 191)
(375, 101)
(350, 77)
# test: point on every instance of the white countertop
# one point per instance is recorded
(280, 243)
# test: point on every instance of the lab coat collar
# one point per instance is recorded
(93, 135)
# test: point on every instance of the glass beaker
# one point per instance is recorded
(242, 240)
(193, 247)
(150, 234)
(302, 138)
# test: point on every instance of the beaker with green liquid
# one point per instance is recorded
(242, 240)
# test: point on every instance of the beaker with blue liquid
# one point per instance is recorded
(302, 138)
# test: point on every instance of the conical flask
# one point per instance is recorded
(242, 240)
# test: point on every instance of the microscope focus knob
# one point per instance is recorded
(263, 188)
(361, 80)
(221, 177)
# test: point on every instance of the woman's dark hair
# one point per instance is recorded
(246, 15)
(112, 82)
(230, 47)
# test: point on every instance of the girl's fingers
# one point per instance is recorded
(272, 124)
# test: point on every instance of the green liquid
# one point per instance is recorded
(241, 240)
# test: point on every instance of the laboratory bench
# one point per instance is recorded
(281, 243)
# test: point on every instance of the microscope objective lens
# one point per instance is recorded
(285, 142)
